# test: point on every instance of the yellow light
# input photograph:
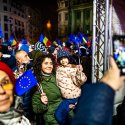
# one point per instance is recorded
(48, 24)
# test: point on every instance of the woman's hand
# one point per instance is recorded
(44, 98)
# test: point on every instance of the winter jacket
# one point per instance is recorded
(54, 98)
(95, 106)
(69, 80)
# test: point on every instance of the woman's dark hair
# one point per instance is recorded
(37, 65)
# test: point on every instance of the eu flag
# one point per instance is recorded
(25, 82)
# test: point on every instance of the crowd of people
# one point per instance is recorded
(63, 95)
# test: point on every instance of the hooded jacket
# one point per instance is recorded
(54, 98)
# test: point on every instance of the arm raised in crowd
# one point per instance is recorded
(95, 106)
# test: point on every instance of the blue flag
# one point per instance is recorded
(58, 42)
(71, 38)
(23, 41)
(25, 82)
(83, 38)
(1, 33)
(41, 38)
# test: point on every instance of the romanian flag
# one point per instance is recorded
(55, 43)
(45, 40)
(12, 41)
(83, 37)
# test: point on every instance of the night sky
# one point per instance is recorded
(44, 6)
(48, 10)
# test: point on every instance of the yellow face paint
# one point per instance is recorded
(8, 86)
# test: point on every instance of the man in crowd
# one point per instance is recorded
(24, 63)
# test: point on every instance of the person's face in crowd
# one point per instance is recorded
(6, 92)
(22, 57)
(55, 51)
(64, 61)
(47, 66)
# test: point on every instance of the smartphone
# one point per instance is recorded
(119, 51)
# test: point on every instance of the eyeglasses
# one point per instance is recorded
(6, 84)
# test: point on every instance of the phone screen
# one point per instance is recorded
(119, 51)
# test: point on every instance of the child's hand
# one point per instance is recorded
(44, 98)
(79, 68)
(72, 106)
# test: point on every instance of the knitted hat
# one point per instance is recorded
(62, 53)
(4, 67)
(39, 46)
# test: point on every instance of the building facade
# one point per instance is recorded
(75, 16)
(18, 20)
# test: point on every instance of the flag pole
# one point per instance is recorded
(79, 55)
(40, 89)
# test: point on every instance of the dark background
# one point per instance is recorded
(47, 8)
(48, 11)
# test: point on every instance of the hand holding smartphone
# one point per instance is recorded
(119, 51)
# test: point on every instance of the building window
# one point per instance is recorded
(15, 29)
(5, 18)
(22, 15)
(87, 20)
(78, 15)
(18, 23)
(22, 24)
(6, 36)
(14, 12)
(59, 17)
(5, 8)
(4, 1)
(66, 16)
(15, 22)
(18, 14)
(66, 3)
(6, 27)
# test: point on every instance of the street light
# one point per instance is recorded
(48, 24)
